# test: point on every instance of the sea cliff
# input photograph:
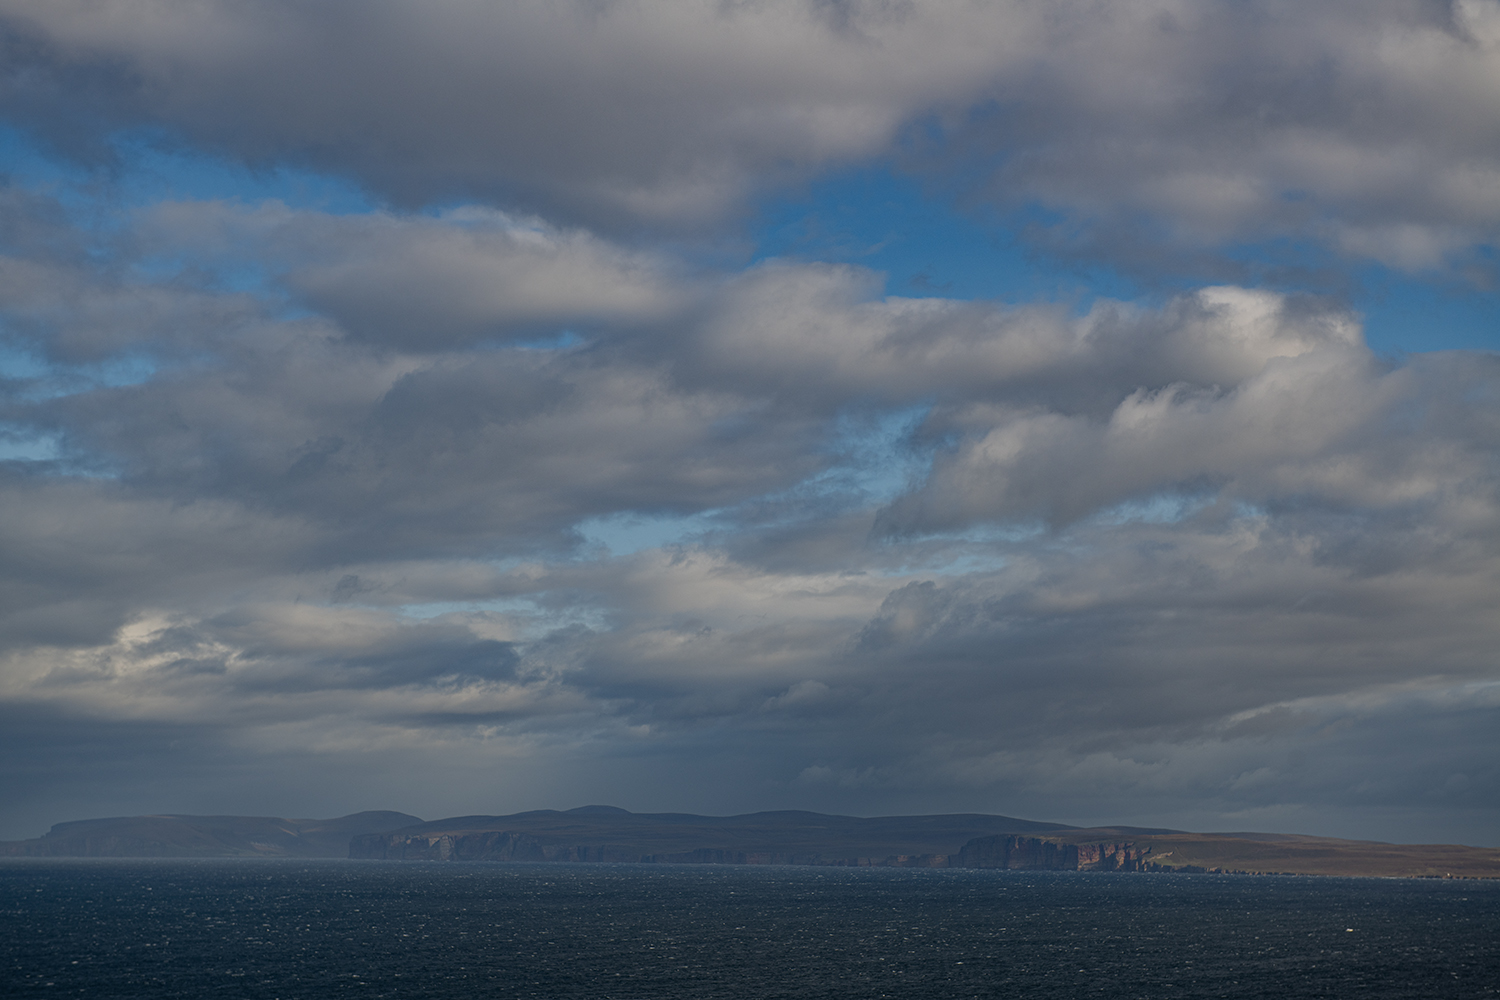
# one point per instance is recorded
(599, 833)
(1049, 855)
(1015, 852)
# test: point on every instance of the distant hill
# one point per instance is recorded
(205, 836)
(605, 833)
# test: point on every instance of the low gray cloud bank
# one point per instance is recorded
(470, 509)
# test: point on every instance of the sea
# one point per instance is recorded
(261, 928)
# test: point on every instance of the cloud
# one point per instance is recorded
(1325, 430)
(1149, 128)
(1349, 125)
(638, 110)
(820, 333)
(337, 488)
(429, 283)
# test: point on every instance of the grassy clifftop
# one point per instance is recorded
(1300, 855)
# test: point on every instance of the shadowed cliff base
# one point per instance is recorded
(608, 834)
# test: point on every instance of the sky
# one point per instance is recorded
(1075, 410)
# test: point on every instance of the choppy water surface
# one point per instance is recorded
(293, 929)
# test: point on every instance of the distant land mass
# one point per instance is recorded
(609, 834)
(205, 837)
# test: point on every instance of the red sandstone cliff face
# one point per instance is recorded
(1112, 857)
(1038, 854)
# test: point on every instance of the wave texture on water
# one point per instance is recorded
(312, 929)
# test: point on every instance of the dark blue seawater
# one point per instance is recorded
(295, 929)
